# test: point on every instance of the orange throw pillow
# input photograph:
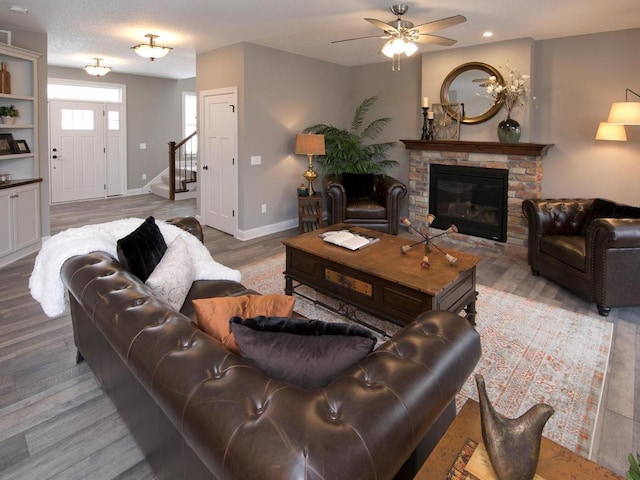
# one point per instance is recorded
(213, 314)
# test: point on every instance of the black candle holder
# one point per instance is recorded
(430, 134)
(425, 124)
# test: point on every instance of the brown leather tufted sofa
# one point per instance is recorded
(201, 412)
(378, 211)
(587, 245)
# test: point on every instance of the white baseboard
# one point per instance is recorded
(266, 230)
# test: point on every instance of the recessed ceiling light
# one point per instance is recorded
(487, 34)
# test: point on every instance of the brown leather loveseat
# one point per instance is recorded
(591, 246)
(199, 411)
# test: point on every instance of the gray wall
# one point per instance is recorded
(579, 79)
(279, 95)
(37, 42)
(154, 117)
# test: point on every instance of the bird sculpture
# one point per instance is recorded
(513, 444)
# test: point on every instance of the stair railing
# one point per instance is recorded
(182, 156)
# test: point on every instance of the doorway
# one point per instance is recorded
(87, 143)
(218, 168)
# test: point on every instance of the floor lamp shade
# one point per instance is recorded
(624, 113)
(607, 131)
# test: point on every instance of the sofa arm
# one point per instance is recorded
(337, 204)
(389, 191)
(553, 217)
(613, 256)
(189, 224)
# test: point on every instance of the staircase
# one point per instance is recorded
(183, 188)
(179, 180)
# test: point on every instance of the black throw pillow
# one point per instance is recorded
(142, 249)
(307, 353)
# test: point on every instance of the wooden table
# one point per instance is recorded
(379, 278)
(555, 463)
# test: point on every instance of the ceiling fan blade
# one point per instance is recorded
(439, 24)
(428, 38)
(361, 38)
(382, 25)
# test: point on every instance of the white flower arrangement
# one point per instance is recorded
(511, 93)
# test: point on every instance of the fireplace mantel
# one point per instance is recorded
(526, 149)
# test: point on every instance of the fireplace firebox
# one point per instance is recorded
(472, 198)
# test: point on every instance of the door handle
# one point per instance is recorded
(205, 167)
(54, 156)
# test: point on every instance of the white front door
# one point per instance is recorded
(218, 168)
(77, 156)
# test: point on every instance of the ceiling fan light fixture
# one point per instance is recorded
(398, 46)
(151, 50)
(410, 48)
(97, 70)
(388, 50)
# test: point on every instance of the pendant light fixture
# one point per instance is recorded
(97, 70)
(151, 50)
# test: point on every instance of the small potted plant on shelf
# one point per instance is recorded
(8, 114)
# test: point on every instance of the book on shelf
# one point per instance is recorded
(349, 240)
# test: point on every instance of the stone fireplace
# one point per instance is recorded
(523, 162)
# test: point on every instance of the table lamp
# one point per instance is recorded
(310, 144)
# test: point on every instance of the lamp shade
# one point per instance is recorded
(607, 131)
(624, 113)
(309, 144)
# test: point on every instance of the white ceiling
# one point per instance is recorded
(79, 30)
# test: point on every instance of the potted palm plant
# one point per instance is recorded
(347, 150)
(8, 114)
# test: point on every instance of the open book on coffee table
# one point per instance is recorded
(347, 239)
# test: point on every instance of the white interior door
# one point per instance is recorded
(77, 157)
(218, 169)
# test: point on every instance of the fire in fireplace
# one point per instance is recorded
(473, 198)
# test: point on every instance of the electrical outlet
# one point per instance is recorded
(143, 146)
(264, 208)
(144, 176)
(256, 160)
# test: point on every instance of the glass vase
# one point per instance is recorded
(509, 131)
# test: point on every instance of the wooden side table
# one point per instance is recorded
(555, 463)
(310, 213)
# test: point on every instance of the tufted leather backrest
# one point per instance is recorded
(242, 424)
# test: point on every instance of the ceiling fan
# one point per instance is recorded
(400, 34)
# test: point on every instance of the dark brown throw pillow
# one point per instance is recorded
(142, 249)
(307, 353)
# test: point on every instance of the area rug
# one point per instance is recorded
(531, 352)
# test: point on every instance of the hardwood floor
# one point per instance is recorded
(55, 423)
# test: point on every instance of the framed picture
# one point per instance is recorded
(6, 144)
(20, 146)
(446, 120)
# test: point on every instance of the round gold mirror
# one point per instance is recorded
(465, 84)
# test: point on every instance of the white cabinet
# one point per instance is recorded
(19, 222)
(20, 198)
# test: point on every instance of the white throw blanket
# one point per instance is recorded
(46, 283)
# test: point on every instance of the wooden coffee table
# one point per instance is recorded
(379, 278)
(555, 462)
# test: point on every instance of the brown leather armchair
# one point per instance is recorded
(590, 246)
(365, 200)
